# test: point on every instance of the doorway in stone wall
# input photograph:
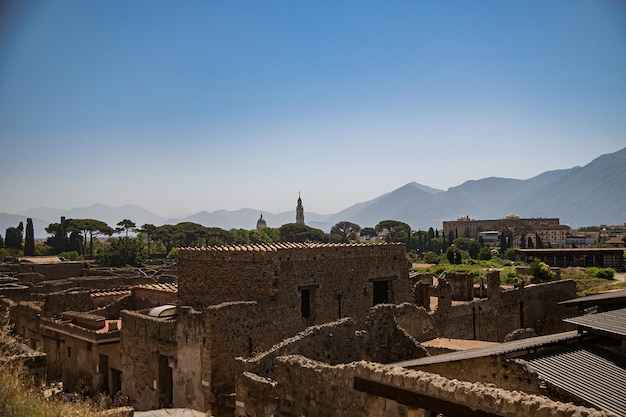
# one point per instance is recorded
(103, 365)
(166, 383)
(381, 292)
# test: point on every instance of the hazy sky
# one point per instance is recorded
(190, 106)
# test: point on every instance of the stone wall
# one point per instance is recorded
(504, 373)
(143, 340)
(330, 390)
(338, 280)
(503, 312)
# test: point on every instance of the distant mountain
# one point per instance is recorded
(579, 196)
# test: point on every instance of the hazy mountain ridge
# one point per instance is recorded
(579, 196)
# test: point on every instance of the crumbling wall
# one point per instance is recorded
(416, 321)
(143, 340)
(57, 303)
(493, 318)
(504, 373)
(387, 342)
(332, 343)
(330, 390)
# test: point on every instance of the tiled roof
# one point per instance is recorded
(274, 247)
(40, 259)
(110, 292)
(165, 287)
(589, 372)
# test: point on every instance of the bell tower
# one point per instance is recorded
(299, 211)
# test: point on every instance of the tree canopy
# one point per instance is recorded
(346, 231)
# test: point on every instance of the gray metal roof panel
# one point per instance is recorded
(605, 296)
(589, 372)
(608, 323)
(499, 349)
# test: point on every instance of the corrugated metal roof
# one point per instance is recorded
(613, 296)
(499, 349)
(591, 373)
(611, 323)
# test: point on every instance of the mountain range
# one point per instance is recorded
(591, 195)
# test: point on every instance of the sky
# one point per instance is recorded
(187, 106)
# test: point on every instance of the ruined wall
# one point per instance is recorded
(143, 340)
(504, 373)
(338, 279)
(57, 303)
(51, 271)
(147, 298)
(187, 365)
(503, 312)
(385, 340)
(332, 343)
(329, 390)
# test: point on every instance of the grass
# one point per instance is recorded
(19, 396)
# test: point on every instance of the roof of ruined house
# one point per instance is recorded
(274, 247)
(170, 287)
(110, 292)
(495, 350)
(589, 372)
(40, 259)
(610, 323)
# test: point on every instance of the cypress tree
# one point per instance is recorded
(13, 238)
(29, 244)
(59, 244)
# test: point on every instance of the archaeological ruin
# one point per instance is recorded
(309, 329)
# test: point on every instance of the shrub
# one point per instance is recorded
(431, 257)
(541, 272)
(604, 273)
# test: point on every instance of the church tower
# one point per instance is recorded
(299, 211)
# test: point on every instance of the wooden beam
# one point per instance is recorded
(417, 400)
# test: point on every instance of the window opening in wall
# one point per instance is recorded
(69, 351)
(305, 304)
(307, 300)
(381, 292)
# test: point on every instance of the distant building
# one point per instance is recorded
(517, 229)
(261, 224)
(299, 211)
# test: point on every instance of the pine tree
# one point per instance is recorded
(29, 244)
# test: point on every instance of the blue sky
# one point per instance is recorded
(190, 106)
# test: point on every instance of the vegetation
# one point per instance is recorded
(29, 244)
(541, 272)
(19, 396)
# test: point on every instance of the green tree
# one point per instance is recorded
(166, 234)
(91, 227)
(125, 251)
(454, 255)
(347, 231)
(538, 242)
(126, 226)
(368, 232)
(58, 240)
(509, 254)
(530, 244)
(29, 244)
(397, 231)
(295, 232)
(148, 230)
(1, 242)
(13, 237)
